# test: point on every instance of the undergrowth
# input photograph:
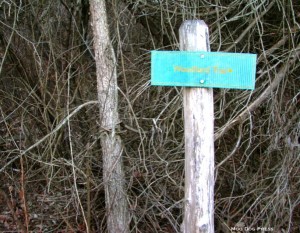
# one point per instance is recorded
(51, 164)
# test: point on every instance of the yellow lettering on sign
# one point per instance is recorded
(207, 70)
(219, 70)
(194, 69)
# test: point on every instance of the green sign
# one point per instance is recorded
(203, 69)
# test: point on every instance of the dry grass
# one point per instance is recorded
(48, 116)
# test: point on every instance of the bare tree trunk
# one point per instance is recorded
(113, 174)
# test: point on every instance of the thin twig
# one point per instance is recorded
(13, 213)
(274, 84)
(58, 127)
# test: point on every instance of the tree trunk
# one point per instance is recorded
(113, 174)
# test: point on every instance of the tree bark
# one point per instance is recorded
(113, 174)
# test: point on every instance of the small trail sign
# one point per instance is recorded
(194, 66)
(203, 69)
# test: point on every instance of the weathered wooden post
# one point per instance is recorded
(199, 70)
(199, 139)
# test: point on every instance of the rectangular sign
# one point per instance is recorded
(203, 69)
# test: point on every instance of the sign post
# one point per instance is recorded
(199, 139)
(195, 66)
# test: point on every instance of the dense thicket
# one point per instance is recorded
(50, 155)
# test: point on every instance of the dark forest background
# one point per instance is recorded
(50, 155)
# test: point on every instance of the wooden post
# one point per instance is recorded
(199, 139)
